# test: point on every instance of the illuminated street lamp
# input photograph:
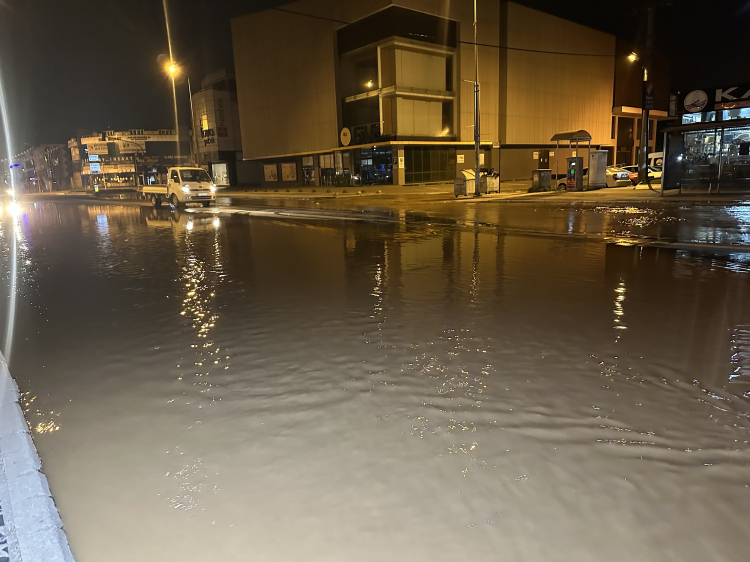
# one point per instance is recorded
(173, 71)
(633, 57)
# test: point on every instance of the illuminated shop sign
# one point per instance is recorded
(712, 99)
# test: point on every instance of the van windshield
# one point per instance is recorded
(195, 175)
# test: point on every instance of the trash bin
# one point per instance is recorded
(541, 180)
(492, 180)
(482, 184)
(464, 185)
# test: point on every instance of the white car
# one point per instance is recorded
(653, 173)
(616, 177)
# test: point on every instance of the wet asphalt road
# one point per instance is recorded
(313, 380)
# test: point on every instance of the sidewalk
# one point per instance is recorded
(510, 192)
(30, 527)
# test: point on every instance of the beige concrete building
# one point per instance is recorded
(381, 91)
(216, 139)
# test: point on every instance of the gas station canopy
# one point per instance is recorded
(572, 136)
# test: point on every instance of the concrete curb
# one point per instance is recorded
(30, 527)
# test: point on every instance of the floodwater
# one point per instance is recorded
(241, 387)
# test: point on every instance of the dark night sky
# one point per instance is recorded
(78, 64)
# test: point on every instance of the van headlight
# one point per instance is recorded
(213, 188)
(186, 189)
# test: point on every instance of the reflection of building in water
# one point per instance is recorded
(682, 305)
(741, 356)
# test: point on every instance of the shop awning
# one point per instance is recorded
(574, 136)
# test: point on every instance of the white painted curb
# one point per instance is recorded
(32, 525)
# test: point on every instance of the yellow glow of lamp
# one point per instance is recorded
(632, 57)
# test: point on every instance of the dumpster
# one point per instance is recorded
(492, 181)
(482, 183)
(464, 185)
(541, 180)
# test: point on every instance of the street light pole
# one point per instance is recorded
(647, 99)
(135, 162)
(476, 105)
(194, 144)
(172, 70)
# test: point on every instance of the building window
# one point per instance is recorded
(376, 165)
(308, 170)
(429, 164)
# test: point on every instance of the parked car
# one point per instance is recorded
(616, 177)
(653, 172)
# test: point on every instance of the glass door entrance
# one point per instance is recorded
(376, 165)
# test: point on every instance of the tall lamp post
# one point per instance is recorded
(476, 106)
(174, 70)
(647, 99)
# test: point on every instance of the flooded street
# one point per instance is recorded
(224, 386)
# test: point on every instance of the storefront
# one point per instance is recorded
(379, 164)
(710, 149)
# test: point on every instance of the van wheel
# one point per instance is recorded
(174, 200)
(206, 203)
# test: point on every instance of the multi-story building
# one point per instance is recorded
(46, 167)
(126, 158)
(381, 91)
(216, 141)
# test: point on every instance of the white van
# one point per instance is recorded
(185, 185)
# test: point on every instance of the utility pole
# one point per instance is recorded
(194, 143)
(476, 106)
(647, 96)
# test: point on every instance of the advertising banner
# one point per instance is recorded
(288, 171)
(128, 147)
(97, 148)
(270, 172)
(711, 99)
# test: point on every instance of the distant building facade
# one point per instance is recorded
(217, 144)
(43, 168)
(709, 143)
(627, 105)
(380, 91)
(125, 158)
